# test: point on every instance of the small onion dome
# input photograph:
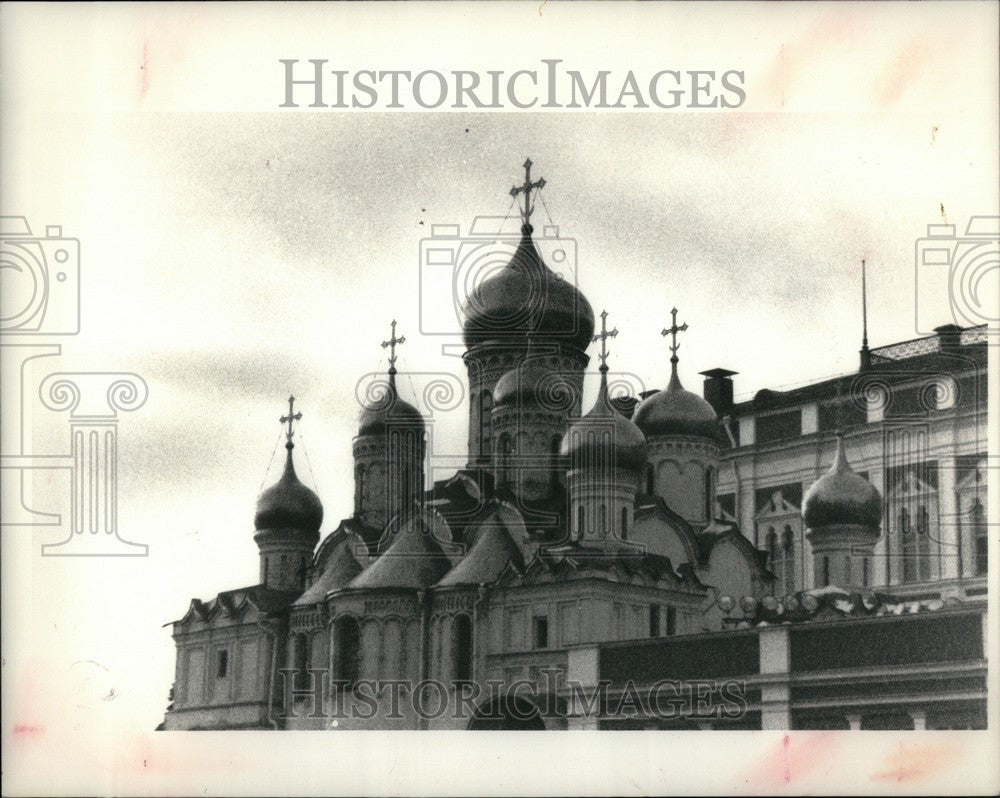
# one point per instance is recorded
(628, 444)
(532, 382)
(676, 411)
(525, 297)
(288, 504)
(842, 497)
(389, 411)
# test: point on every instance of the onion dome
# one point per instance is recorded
(676, 411)
(413, 561)
(532, 382)
(842, 497)
(525, 297)
(628, 444)
(389, 411)
(288, 504)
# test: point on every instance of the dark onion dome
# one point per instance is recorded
(389, 411)
(628, 444)
(676, 411)
(288, 504)
(842, 497)
(413, 561)
(532, 382)
(525, 297)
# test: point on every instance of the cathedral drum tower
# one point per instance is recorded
(525, 299)
(684, 436)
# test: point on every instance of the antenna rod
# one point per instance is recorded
(865, 354)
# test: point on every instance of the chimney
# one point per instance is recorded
(949, 337)
(718, 389)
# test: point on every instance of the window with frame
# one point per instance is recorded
(222, 663)
(654, 620)
(540, 631)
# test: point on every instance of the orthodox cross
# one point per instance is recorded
(603, 337)
(391, 344)
(290, 419)
(672, 332)
(526, 188)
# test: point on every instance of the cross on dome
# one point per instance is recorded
(289, 420)
(391, 344)
(603, 337)
(672, 332)
(526, 190)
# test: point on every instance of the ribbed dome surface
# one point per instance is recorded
(389, 411)
(676, 411)
(288, 504)
(527, 298)
(628, 444)
(841, 497)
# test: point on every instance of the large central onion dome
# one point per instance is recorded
(288, 504)
(842, 497)
(605, 426)
(676, 411)
(527, 298)
(389, 411)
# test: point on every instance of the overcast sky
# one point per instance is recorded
(234, 258)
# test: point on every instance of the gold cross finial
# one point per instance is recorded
(289, 420)
(526, 189)
(672, 332)
(391, 344)
(603, 337)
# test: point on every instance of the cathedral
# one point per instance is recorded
(587, 555)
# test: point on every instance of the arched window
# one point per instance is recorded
(866, 576)
(347, 651)
(581, 518)
(709, 493)
(826, 572)
(624, 523)
(909, 545)
(505, 450)
(649, 480)
(923, 543)
(462, 648)
(979, 537)
(847, 570)
(788, 558)
(486, 425)
(772, 547)
(359, 489)
(300, 661)
(604, 520)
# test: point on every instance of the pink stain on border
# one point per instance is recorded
(144, 68)
(795, 756)
(916, 762)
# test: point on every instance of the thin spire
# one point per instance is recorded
(866, 359)
(674, 346)
(840, 459)
(526, 188)
(391, 344)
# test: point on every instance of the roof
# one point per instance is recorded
(413, 561)
(233, 603)
(891, 365)
(342, 565)
(493, 552)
